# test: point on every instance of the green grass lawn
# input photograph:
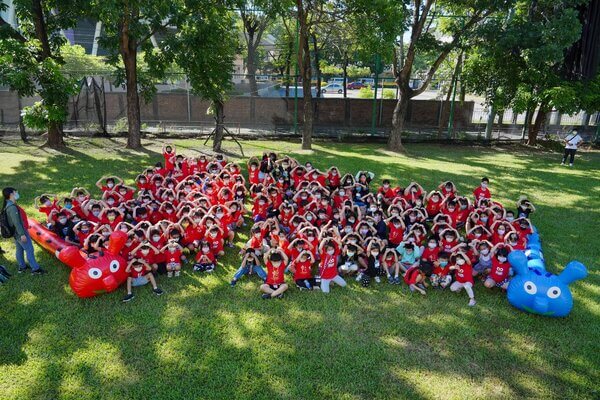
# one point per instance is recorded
(204, 339)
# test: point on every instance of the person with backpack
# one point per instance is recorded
(15, 225)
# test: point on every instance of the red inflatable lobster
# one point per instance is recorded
(90, 275)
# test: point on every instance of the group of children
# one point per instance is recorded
(319, 226)
(184, 207)
(322, 226)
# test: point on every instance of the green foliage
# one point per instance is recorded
(365, 93)
(78, 64)
(389, 94)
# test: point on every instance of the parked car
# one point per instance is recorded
(336, 80)
(332, 88)
(355, 85)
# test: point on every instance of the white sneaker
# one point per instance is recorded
(562, 163)
(377, 279)
(358, 277)
(472, 302)
(570, 165)
(170, 274)
(177, 273)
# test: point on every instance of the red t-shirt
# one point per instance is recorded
(464, 273)
(328, 267)
(410, 278)
(138, 273)
(481, 193)
(303, 270)
(395, 234)
(430, 254)
(499, 271)
(441, 271)
(275, 274)
(209, 255)
(173, 257)
(169, 160)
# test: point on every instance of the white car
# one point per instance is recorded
(332, 88)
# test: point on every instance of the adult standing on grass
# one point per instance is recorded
(17, 220)
(571, 142)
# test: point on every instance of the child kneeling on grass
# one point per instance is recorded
(274, 286)
(250, 264)
(205, 259)
(140, 273)
(463, 276)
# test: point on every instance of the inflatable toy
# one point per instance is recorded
(90, 275)
(537, 291)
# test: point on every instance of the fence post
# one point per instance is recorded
(296, 78)
(374, 113)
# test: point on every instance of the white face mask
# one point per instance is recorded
(95, 213)
(156, 238)
(374, 253)
(330, 252)
(510, 219)
(364, 231)
(502, 259)
(501, 231)
(350, 254)
(145, 252)
(110, 202)
(484, 185)
(62, 221)
(431, 245)
(485, 252)
(110, 185)
(219, 215)
(460, 261)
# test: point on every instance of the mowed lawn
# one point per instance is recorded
(205, 340)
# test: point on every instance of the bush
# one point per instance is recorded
(365, 93)
(120, 125)
(389, 93)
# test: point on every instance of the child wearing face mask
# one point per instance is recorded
(440, 277)
(276, 263)
(391, 266)
(482, 251)
(463, 276)
(63, 226)
(148, 253)
(374, 266)
(173, 258)
(396, 230)
(250, 264)
(108, 183)
(82, 230)
(409, 255)
(328, 271)
(415, 279)
(301, 267)
(499, 275)
(348, 263)
(206, 261)
(482, 191)
(139, 274)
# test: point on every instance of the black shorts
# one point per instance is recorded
(307, 283)
(275, 287)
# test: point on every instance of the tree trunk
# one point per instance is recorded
(490, 122)
(251, 72)
(525, 130)
(55, 136)
(346, 103)
(128, 50)
(539, 122)
(306, 74)
(219, 118)
(22, 130)
(398, 117)
(55, 139)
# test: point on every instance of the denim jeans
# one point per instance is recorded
(26, 248)
(257, 269)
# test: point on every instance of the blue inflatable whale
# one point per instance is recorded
(535, 290)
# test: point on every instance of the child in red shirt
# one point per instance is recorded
(440, 277)
(301, 267)
(463, 275)
(415, 279)
(205, 259)
(482, 191)
(500, 271)
(274, 286)
(329, 250)
(139, 274)
(173, 258)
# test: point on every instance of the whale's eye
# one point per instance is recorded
(530, 287)
(553, 292)
(114, 266)
(95, 273)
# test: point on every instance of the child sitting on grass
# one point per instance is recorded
(463, 276)
(250, 264)
(139, 274)
(274, 286)
(301, 267)
(173, 258)
(500, 270)
(440, 277)
(415, 279)
(205, 259)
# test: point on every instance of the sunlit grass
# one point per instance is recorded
(204, 339)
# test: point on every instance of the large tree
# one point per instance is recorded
(30, 61)
(131, 30)
(204, 48)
